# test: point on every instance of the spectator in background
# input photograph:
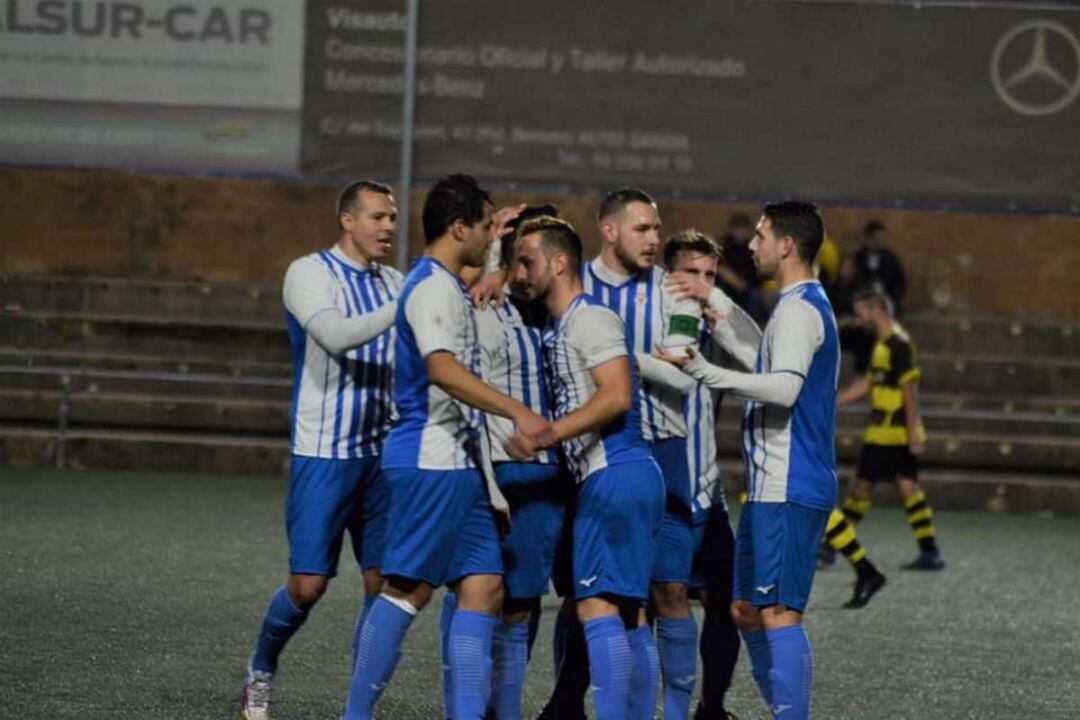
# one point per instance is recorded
(877, 267)
(737, 274)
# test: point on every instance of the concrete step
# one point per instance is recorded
(989, 375)
(220, 407)
(176, 384)
(230, 341)
(994, 336)
(259, 302)
(214, 454)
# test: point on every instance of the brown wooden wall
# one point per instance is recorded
(117, 223)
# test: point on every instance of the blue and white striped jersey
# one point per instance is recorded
(586, 337)
(342, 403)
(644, 307)
(701, 410)
(514, 365)
(434, 431)
(791, 452)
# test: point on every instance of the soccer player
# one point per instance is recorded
(441, 525)
(789, 445)
(624, 279)
(511, 336)
(692, 258)
(340, 306)
(620, 502)
(895, 438)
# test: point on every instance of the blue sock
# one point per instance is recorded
(471, 635)
(678, 658)
(369, 600)
(609, 667)
(757, 647)
(282, 620)
(644, 673)
(377, 655)
(510, 656)
(719, 653)
(792, 674)
(449, 606)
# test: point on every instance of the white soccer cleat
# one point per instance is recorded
(256, 702)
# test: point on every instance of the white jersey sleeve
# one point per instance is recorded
(795, 334)
(309, 294)
(435, 313)
(598, 334)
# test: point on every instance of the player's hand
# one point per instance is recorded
(685, 285)
(714, 318)
(519, 448)
(501, 219)
(538, 431)
(916, 444)
(679, 360)
(488, 290)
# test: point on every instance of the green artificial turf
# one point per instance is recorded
(138, 596)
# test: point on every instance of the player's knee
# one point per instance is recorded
(481, 593)
(305, 590)
(416, 593)
(373, 582)
(519, 610)
(671, 600)
(746, 616)
(907, 488)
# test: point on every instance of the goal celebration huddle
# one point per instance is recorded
(511, 416)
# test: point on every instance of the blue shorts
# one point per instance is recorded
(441, 526)
(675, 545)
(714, 551)
(535, 494)
(618, 515)
(776, 551)
(328, 497)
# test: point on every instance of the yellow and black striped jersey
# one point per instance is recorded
(892, 365)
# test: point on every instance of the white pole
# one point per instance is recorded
(408, 110)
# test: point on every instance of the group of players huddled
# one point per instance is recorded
(509, 415)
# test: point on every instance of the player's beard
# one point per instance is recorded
(630, 265)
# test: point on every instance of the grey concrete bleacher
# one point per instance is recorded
(163, 375)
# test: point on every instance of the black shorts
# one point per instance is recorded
(886, 463)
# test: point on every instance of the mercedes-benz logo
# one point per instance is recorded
(1035, 67)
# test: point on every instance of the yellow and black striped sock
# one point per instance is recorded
(840, 534)
(920, 518)
(855, 509)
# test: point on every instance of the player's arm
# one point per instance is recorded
(916, 442)
(435, 314)
(903, 364)
(308, 294)
(661, 373)
(797, 333)
(732, 328)
(612, 399)
(599, 336)
(854, 392)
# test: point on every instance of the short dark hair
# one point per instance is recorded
(555, 236)
(454, 197)
(347, 198)
(506, 251)
(873, 297)
(616, 200)
(801, 221)
(689, 240)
